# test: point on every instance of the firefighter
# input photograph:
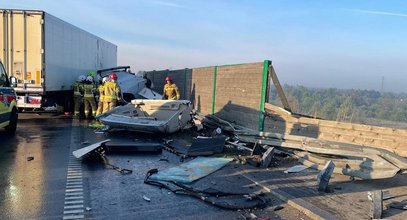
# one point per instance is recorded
(171, 91)
(89, 98)
(111, 92)
(78, 94)
(101, 91)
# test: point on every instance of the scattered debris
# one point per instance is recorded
(352, 160)
(201, 146)
(192, 170)
(296, 169)
(30, 158)
(252, 216)
(267, 157)
(98, 149)
(324, 176)
(164, 158)
(399, 205)
(274, 208)
(387, 195)
(86, 150)
(240, 146)
(248, 216)
(146, 198)
(254, 160)
(198, 124)
(138, 145)
(226, 200)
(217, 131)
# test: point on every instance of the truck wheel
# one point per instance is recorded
(11, 128)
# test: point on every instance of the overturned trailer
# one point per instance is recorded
(149, 116)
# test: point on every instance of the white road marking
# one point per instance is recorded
(74, 202)
(73, 197)
(73, 217)
(73, 206)
(74, 190)
(75, 211)
(74, 186)
(74, 194)
(74, 177)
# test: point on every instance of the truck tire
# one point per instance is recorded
(11, 128)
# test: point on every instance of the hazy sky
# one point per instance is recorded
(317, 43)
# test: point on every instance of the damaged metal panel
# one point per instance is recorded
(201, 146)
(192, 170)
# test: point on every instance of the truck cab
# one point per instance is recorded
(8, 103)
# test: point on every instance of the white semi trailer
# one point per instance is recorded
(46, 55)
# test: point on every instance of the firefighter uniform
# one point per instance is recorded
(101, 91)
(89, 99)
(111, 95)
(78, 97)
(171, 91)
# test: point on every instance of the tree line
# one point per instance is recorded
(348, 105)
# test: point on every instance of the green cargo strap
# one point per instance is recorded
(215, 73)
(266, 65)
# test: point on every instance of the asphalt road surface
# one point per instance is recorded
(40, 179)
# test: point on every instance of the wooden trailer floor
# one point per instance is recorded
(348, 201)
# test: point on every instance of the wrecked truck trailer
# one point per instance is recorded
(132, 85)
(149, 116)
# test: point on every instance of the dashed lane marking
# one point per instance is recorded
(67, 217)
(74, 194)
(75, 211)
(74, 190)
(74, 200)
(73, 197)
(73, 206)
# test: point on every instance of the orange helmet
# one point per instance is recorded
(113, 76)
(168, 78)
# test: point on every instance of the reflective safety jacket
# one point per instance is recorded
(171, 91)
(88, 93)
(78, 89)
(101, 90)
(111, 91)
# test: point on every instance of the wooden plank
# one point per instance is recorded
(343, 125)
(355, 139)
(377, 197)
(279, 89)
(360, 127)
(324, 176)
